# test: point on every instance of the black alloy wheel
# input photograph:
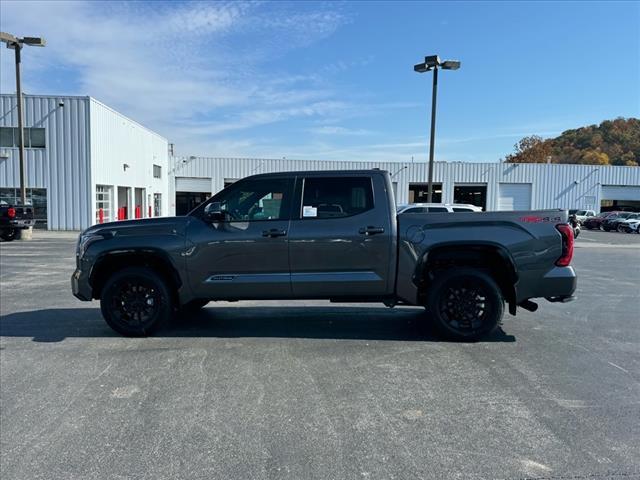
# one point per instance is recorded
(8, 235)
(136, 302)
(465, 303)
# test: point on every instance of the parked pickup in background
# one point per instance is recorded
(325, 235)
(14, 218)
(582, 215)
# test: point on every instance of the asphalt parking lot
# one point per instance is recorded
(304, 390)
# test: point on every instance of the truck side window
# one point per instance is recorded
(437, 209)
(264, 199)
(335, 197)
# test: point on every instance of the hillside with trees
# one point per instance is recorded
(613, 142)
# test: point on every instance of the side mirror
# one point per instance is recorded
(213, 212)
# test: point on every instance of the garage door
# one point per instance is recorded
(193, 184)
(617, 192)
(514, 196)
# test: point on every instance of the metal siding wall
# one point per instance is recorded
(117, 140)
(552, 186)
(63, 166)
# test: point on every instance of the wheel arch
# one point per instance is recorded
(110, 262)
(486, 256)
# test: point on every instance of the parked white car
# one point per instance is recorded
(437, 207)
(582, 215)
(630, 225)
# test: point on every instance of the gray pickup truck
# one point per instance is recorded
(325, 235)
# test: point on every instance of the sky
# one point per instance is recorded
(335, 80)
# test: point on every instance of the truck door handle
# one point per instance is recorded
(371, 230)
(274, 232)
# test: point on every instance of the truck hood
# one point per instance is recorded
(143, 226)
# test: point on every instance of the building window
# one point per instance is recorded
(6, 137)
(334, 197)
(157, 204)
(104, 195)
(157, 171)
(33, 137)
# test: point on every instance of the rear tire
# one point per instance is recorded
(466, 304)
(8, 235)
(136, 302)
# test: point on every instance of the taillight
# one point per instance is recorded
(11, 212)
(567, 244)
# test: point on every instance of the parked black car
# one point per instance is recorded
(14, 218)
(611, 222)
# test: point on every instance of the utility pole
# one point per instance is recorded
(16, 44)
(433, 62)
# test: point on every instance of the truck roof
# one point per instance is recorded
(321, 173)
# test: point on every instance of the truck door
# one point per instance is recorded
(340, 236)
(246, 255)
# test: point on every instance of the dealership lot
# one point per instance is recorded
(311, 390)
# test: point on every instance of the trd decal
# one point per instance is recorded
(536, 219)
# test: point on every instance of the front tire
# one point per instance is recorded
(8, 235)
(466, 304)
(136, 302)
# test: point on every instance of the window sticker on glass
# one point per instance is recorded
(309, 211)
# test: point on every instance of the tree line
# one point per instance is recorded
(613, 142)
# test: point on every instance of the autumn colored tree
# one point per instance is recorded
(531, 149)
(613, 142)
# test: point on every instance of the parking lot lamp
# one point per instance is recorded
(433, 62)
(16, 44)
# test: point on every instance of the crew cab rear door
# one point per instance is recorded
(340, 236)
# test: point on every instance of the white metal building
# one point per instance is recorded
(85, 162)
(493, 186)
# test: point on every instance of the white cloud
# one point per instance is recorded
(176, 68)
(338, 130)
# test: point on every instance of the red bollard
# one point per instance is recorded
(149, 211)
(138, 212)
(100, 216)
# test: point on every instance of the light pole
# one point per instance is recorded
(433, 62)
(16, 44)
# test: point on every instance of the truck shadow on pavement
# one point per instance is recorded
(314, 322)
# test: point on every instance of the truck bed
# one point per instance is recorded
(528, 239)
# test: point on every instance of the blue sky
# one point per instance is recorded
(328, 80)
